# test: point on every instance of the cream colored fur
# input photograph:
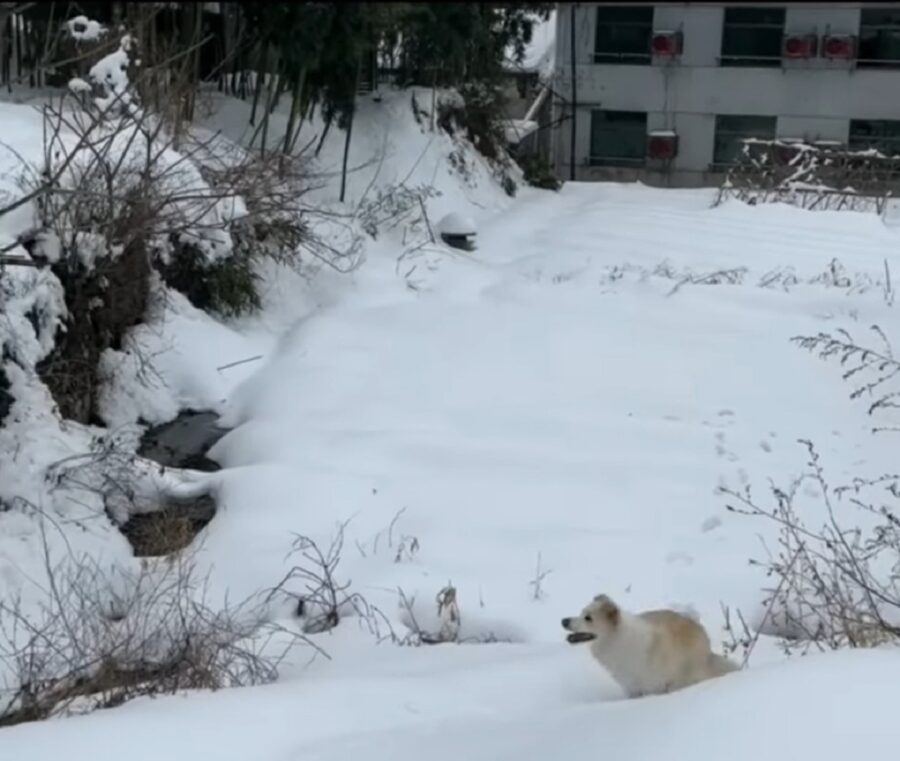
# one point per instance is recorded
(648, 653)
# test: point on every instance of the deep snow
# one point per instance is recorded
(559, 406)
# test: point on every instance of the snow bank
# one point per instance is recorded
(393, 145)
(56, 476)
(515, 704)
(182, 358)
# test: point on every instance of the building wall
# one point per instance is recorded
(813, 99)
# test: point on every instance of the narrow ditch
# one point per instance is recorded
(183, 443)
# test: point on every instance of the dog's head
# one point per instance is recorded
(597, 621)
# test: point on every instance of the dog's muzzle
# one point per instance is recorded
(576, 638)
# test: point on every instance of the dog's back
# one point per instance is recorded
(688, 632)
(681, 649)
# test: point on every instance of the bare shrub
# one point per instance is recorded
(734, 276)
(324, 596)
(97, 638)
(320, 595)
(834, 584)
(874, 372)
(537, 583)
(814, 177)
(443, 623)
(394, 205)
(446, 627)
(403, 547)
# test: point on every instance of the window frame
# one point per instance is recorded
(613, 57)
(612, 160)
(744, 60)
(865, 62)
(851, 140)
(740, 134)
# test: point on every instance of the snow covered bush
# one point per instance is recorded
(99, 637)
(476, 111)
(816, 177)
(539, 173)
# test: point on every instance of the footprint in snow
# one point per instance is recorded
(711, 524)
(765, 446)
(812, 491)
(681, 558)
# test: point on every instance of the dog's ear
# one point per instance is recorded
(611, 612)
(608, 609)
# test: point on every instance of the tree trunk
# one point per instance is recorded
(324, 135)
(434, 100)
(4, 66)
(234, 41)
(296, 111)
(349, 133)
(573, 59)
(260, 79)
(274, 84)
(346, 154)
(195, 60)
(282, 87)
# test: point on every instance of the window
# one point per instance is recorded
(752, 36)
(879, 37)
(618, 138)
(731, 131)
(882, 135)
(623, 34)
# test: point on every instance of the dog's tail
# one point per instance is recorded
(720, 665)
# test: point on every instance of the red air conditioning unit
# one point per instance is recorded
(841, 47)
(799, 46)
(662, 145)
(666, 44)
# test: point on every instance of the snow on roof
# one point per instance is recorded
(539, 52)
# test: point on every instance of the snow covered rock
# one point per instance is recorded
(456, 224)
(457, 231)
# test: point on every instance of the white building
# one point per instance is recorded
(666, 92)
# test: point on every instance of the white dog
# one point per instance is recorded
(650, 653)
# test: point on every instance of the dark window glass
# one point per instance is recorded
(618, 138)
(732, 131)
(883, 135)
(752, 36)
(623, 34)
(879, 38)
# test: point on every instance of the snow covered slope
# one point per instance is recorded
(544, 419)
(495, 703)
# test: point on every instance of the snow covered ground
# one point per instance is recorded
(544, 419)
(495, 703)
